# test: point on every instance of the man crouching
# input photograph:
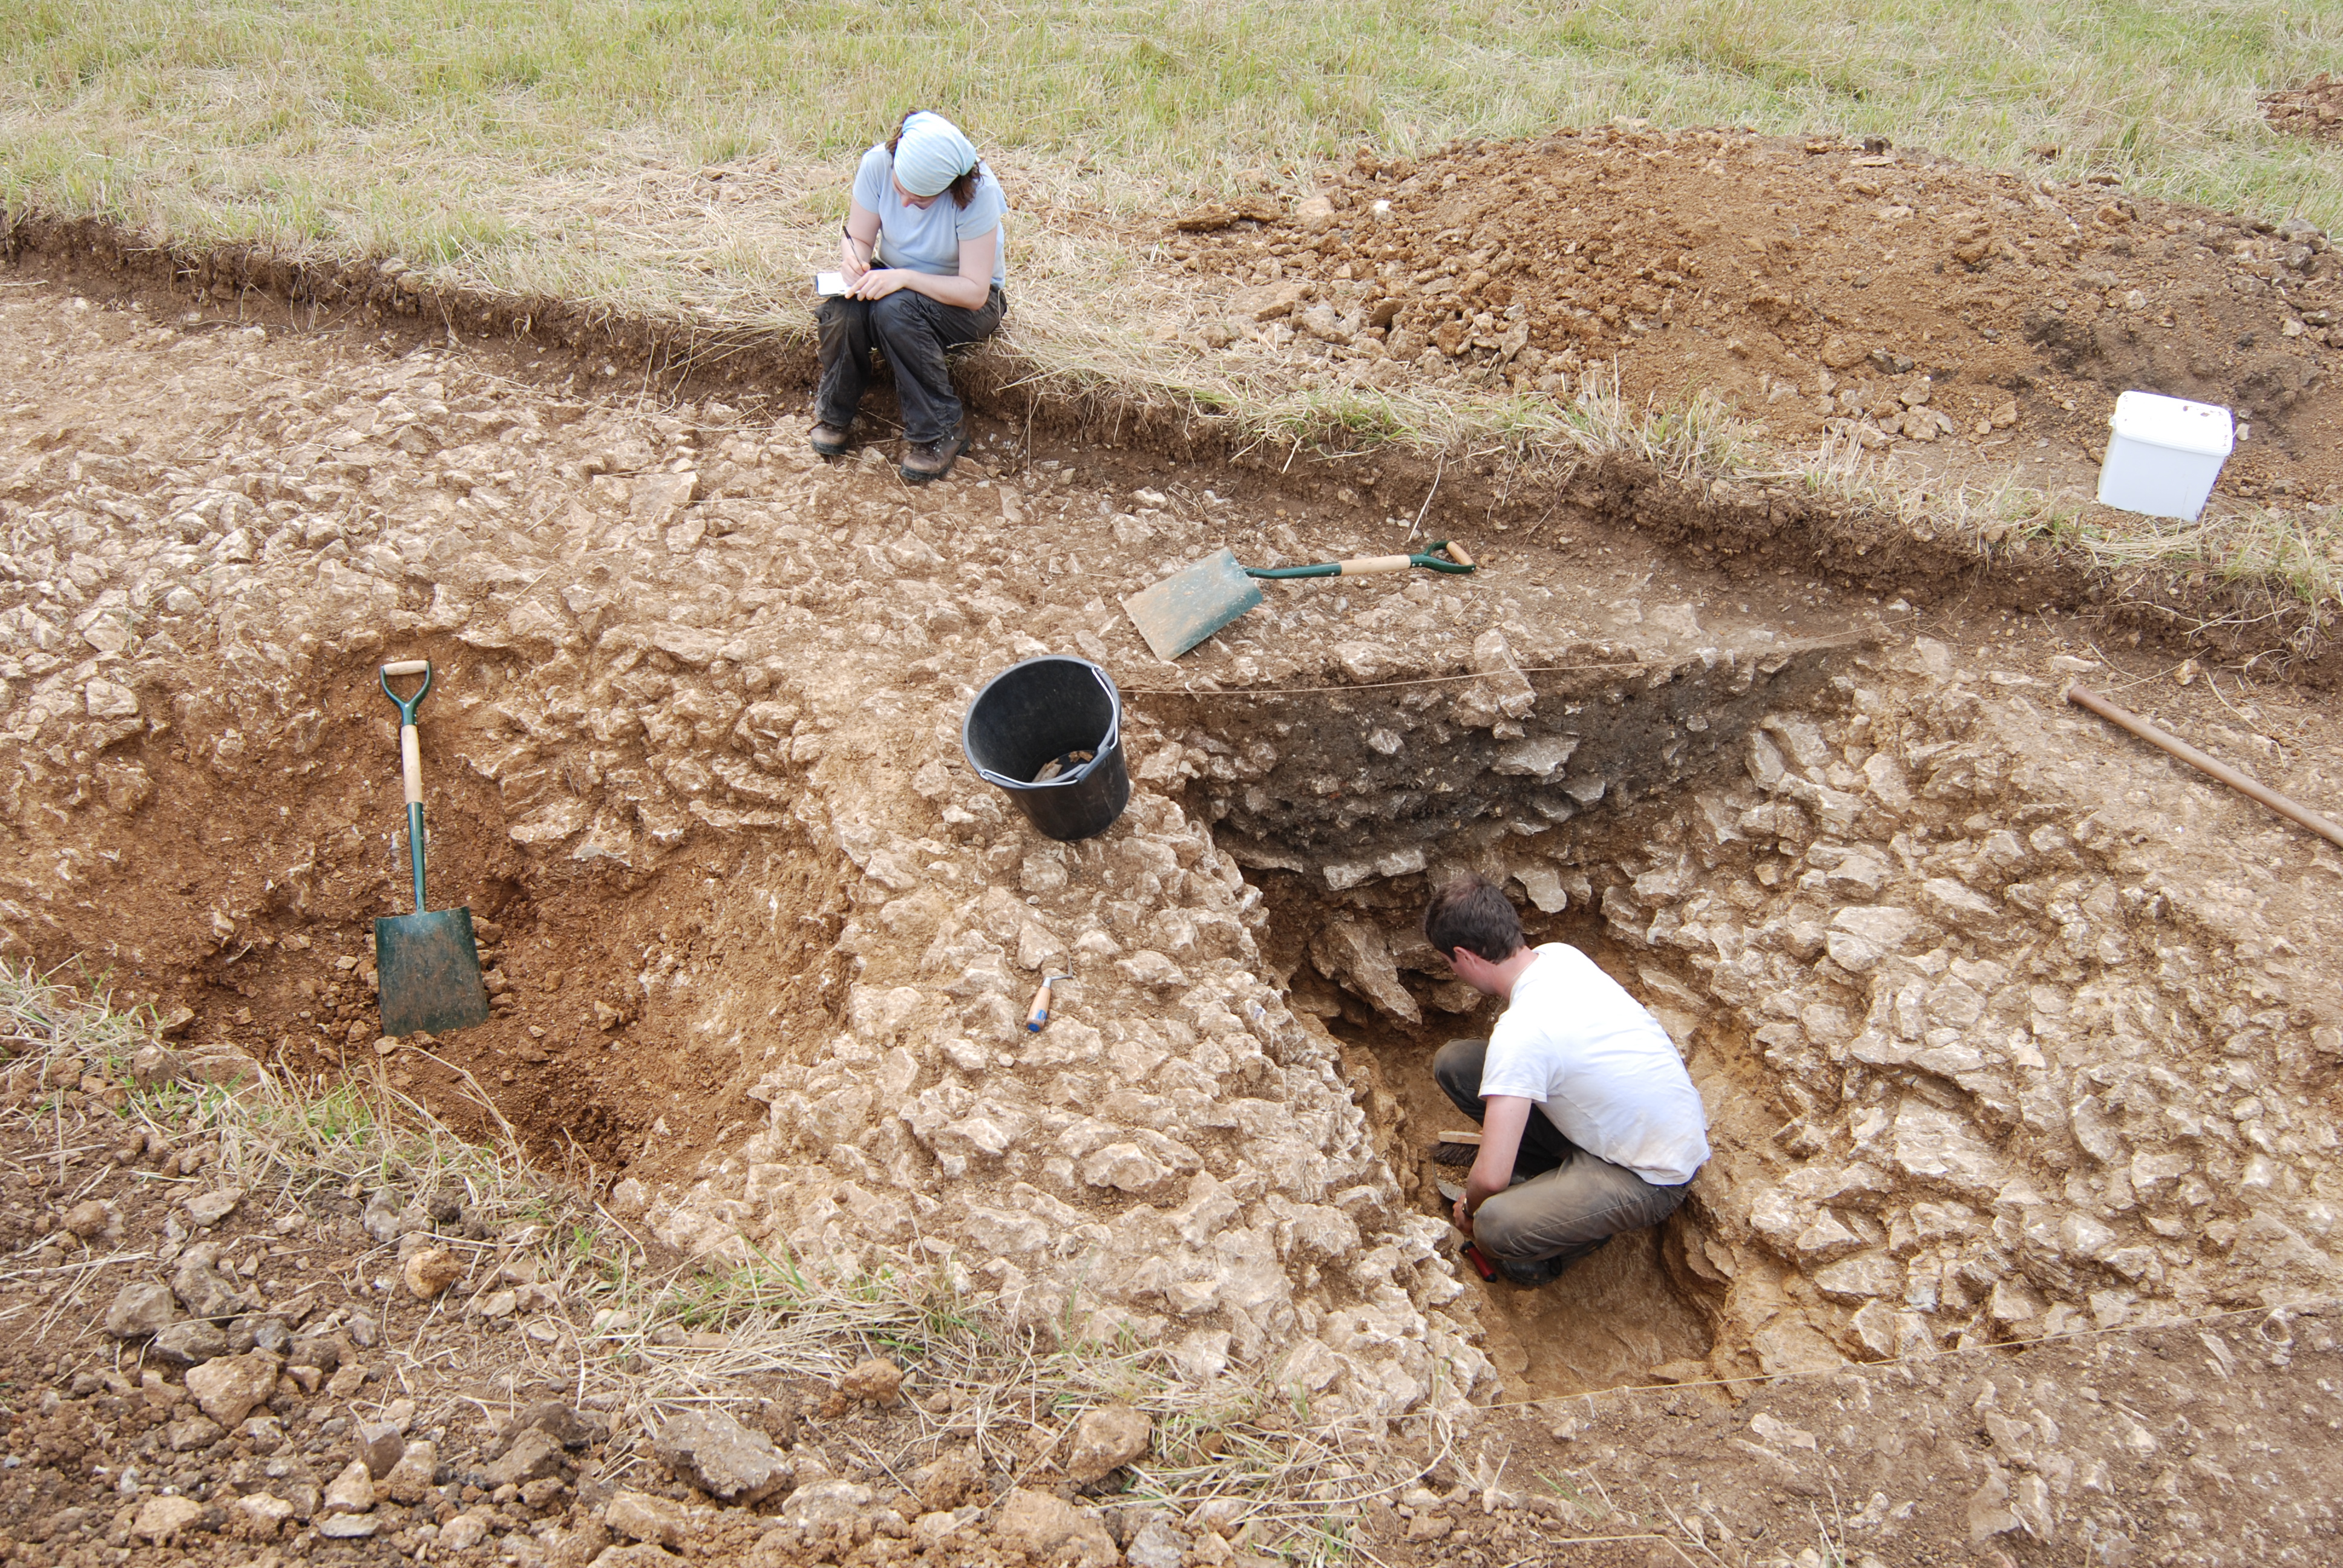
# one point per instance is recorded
(1619, 1131)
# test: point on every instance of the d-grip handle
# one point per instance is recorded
(410, 758)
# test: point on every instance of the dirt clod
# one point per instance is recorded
(431, 1272)
(877, 1379)
(1050, 1529)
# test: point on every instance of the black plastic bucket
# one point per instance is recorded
(1050, 732)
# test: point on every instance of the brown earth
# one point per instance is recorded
(695, 758)
(2314, 109)
(1820, 287)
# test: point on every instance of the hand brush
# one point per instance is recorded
(1456, 1149)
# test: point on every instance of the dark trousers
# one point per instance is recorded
(1572, 1202)
(914, 332)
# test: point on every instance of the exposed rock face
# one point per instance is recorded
(2023, 1088)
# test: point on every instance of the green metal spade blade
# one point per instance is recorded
(1191, 604)
(428, 969)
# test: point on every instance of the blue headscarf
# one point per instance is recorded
(931, 154)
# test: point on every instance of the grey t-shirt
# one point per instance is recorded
(928, 240)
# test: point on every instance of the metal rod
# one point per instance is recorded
(2082, 695)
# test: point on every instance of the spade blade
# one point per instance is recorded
(428, 968)
(1191, 604)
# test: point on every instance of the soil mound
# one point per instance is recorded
(2314, 109)
(1827, 287)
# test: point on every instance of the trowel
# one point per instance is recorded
(1197, 601)
(427, 964)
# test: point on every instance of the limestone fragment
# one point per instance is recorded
(722, 1457)
(643, 1517)
(534, 1455)
(409, 1480)
(825, 1504)
(1105, 1439)
(228, 1388)
(352, 1491)
(141, 1308)
(1355, 953)
(1050, 1529)
(208, 1209)
(260, 1515)
(1158, 1544)
(200, 1286)
(463, 1532)
(190, 1341)
(1860, 937)
(160, 1519)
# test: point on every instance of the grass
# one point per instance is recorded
(2294, 555)
(308, 119)
(643, 1341)
(557, 148)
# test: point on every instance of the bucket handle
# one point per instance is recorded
(1113, 736)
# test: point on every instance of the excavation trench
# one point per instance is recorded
(625, 972)
(1991, 1044)
(1899, 962)
(1347, 808)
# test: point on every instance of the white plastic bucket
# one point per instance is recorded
(2164, 455)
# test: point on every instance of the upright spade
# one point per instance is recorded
(426, 963)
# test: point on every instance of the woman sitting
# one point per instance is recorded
(924, 263)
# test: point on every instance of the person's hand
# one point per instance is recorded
(878, 283)
(849, 260)
(1465, 1219)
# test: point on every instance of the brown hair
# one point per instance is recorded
(963, 189)
(1471, 913)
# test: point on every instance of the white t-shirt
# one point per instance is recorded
(1601, 1067)
(927, 239)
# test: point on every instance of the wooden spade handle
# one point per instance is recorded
(1372, 566)
(406, 667)
(411, 757)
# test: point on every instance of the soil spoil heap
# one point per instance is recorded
(1865, 292)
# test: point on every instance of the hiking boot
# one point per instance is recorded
(926, 461)
(829, 442)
